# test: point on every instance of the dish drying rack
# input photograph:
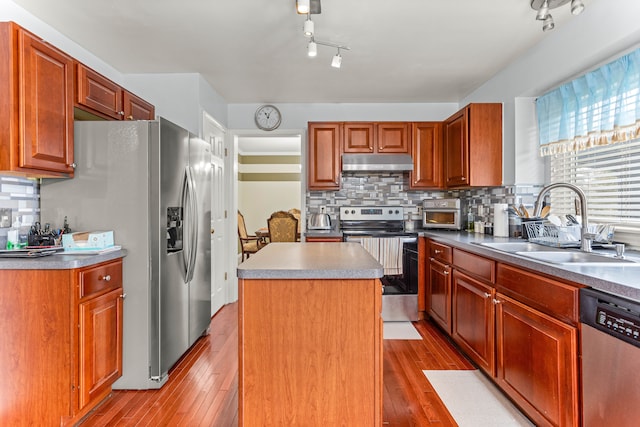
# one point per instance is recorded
(546, 233)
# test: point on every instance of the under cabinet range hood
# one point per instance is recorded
(377, 162)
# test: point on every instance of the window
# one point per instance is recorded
(610, 177)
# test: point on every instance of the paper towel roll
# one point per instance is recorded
(500, 220)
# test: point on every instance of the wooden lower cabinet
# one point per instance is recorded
(61, 344)
(310, 352)
(440, 294)
(473, 326)
(537, 363)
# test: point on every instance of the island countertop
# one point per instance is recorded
(322, 260)
(61, 261)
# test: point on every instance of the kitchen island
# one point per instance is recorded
(310, 336)
(61, 322)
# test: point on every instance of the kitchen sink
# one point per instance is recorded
(515, 246)
(576, 258)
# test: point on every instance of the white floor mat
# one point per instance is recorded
(474, 401)
(400, 331)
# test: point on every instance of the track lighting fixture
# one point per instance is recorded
(312, 49)
(336, 62)
(577, 7)
(544, 6)
(303, 6)
(307, 28)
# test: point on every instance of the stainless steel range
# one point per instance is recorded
(380, 230)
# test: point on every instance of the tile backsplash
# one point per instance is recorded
(19, 198)
(392, 188)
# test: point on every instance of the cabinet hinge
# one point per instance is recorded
(225, 214)
(225, 152)
(225, 275)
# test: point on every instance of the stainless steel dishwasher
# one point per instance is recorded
(610, 359)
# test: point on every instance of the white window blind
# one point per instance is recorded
(610, 177)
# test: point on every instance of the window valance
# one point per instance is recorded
(599, 108)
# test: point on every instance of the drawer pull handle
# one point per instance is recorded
(106, 278)
(437, 251)
(123, 296)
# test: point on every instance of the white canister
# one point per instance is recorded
(500, 220)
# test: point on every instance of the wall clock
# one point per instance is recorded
(268, 117)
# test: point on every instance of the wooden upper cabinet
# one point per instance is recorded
(99, 95)
(359, 137)
(426, 149)
(473, 146)
(36, 80)
(393, 137)
(325, 142)
(372, 137)
(136, 108)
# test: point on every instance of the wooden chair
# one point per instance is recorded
(297, 214)
(250, 244)
(283, 227)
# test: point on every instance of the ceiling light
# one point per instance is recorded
(303, 6)
(307, 29)
(542, 7)
(548, 23)
(577, 7)
(312, 49)
(543, 11)
(336, 62)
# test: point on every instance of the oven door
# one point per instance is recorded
(442, 218)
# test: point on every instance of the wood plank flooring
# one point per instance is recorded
(202, 389)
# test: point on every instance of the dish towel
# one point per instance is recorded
(387, 251)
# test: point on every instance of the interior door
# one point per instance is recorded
(219, 253)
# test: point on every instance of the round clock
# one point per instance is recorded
(268, 117)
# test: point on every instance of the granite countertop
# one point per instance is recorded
(311, 261)
(61, 261)
(618, 280)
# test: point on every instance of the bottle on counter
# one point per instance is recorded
(470, 220)
(13, 234)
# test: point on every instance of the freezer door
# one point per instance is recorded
(170, 324)
(200, 285)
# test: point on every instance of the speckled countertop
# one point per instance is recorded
(311, 261)
(62, 261)
(618, 280)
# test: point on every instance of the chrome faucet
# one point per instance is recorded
(585, 237)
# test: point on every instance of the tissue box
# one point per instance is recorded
(90, 240)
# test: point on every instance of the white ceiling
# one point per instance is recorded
(253, 51)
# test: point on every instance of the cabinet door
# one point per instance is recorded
(393, 137)
(325, 141)
(46, 106)
(426, 148)
(537, 363)
(456, 142)
(100, 345)
(473, 320)
(98, 94)
(440, 294)
(136, 108)
(358, 137)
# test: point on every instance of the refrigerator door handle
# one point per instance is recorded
(186, 200)
(195, 223)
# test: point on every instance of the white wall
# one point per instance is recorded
(296, 116)
(606, 29)
(257, 200)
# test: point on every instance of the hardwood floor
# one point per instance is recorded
(202, 389)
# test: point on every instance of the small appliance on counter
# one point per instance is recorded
(442, 214)
(319, 221)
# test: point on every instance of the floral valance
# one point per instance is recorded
(599, 108)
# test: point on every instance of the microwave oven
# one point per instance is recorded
(444, 214)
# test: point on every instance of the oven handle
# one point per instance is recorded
(358, 238)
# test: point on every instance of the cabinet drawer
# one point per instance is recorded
(100, 278)
(475, 265)
(551, 297)
(440, 252)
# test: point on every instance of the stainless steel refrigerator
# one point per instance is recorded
(149, 182)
